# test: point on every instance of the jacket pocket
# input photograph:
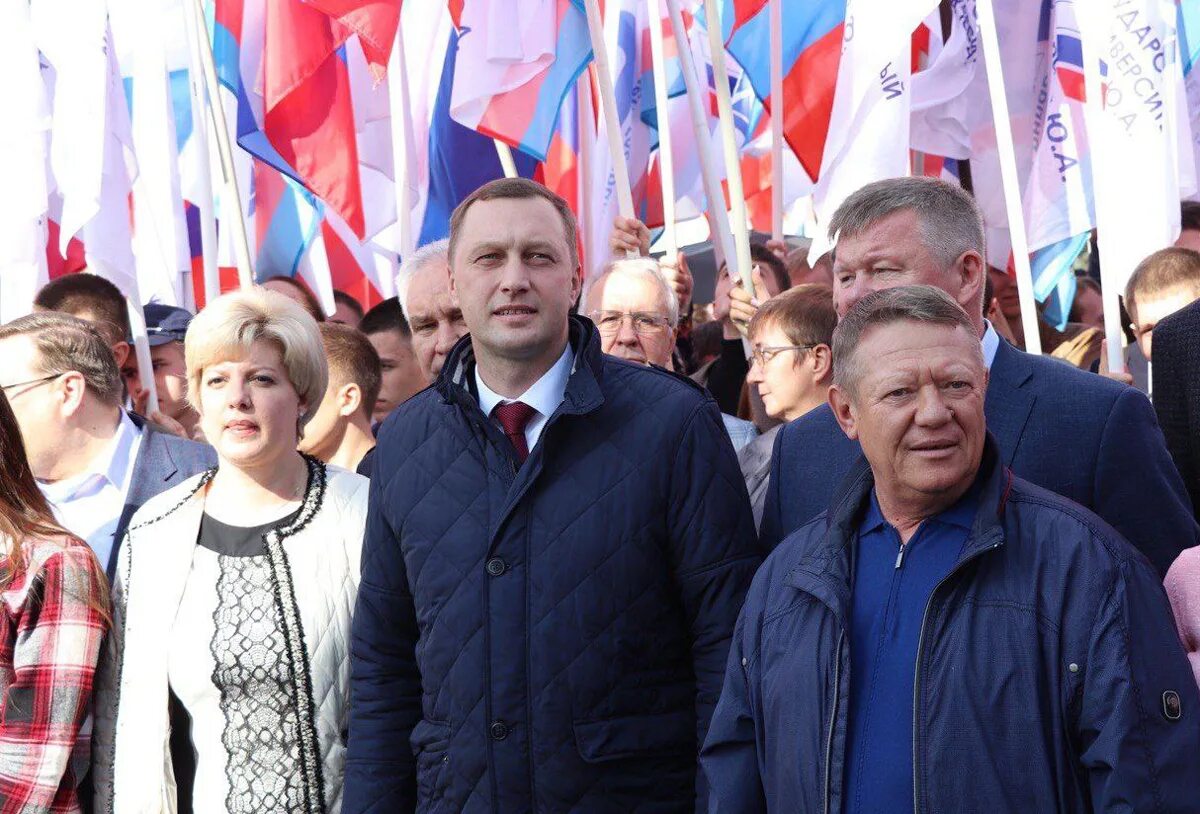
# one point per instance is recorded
(665, 734)
(430, 744)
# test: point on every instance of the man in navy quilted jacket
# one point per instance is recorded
(558, 545)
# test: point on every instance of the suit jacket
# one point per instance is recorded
(1083, 436)
(163, 460)
(1177, 391)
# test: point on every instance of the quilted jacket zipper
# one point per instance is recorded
(837, 686)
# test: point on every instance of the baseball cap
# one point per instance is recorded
(166, 323)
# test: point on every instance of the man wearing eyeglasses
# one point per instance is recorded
(96, 463)
(635, 311)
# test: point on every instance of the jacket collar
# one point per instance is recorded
(1008, 402)
(583, 393)
(826, 571)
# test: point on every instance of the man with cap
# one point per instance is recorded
(166, 326)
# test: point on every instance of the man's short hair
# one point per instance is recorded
(89, 297)
(352, 360)
(65, 343)
(950, 220)
(771, 265)
(1189, 215)
(907, 303)
(227, 327)
(647, 268)
(385, 316)
(342, 298)
(1160, 272)
(437, 251)
(805, 314)
(517, 188)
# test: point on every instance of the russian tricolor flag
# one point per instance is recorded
(812, 48)
(516, 63)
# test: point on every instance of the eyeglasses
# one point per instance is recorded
(764, 355)
(43, 380)
(644, 324)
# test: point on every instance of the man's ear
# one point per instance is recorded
(843, 411)
(120, 352)
(971, 271)
(349, 399)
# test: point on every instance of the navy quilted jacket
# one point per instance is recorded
(549, 637)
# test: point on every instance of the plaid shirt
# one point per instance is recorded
(48, 654)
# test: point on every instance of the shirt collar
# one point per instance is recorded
(544, 395)
(961, 514)
(113, 463)
(991, 344)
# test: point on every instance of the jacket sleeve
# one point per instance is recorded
(1137, 487)
(770, 533)
(57, 642)
(385, 685)
(713, 546)
(1134, 679)
(729, 761)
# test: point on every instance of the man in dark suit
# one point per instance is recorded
(1088, 438)
(1177, 391)
(96, 463)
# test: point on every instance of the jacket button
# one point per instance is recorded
(496, 566)
(499, 730)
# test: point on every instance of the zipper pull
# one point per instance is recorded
(900, 557)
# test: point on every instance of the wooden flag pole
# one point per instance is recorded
(207, 204)
(777, 102)
(722, 236)
(666, 160)
(608, 109)
(506, 158)
(733, 167)
(402, 141)
(241, 239)
(1008, 174)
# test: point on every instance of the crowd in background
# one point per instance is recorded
(515, 540)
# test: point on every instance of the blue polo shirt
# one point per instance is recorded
(891, 590)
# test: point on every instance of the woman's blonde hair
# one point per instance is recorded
(233, 322)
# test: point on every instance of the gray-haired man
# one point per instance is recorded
(1083, 436)
(436, 321)
(948, 637)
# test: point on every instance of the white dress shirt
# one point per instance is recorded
(544, 395)
(89, 504)
(991, 344)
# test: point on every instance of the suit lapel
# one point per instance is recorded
(1008, 404)
(153, 468)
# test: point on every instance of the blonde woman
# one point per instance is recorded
(227, 688)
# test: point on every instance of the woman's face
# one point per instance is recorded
(249, 409)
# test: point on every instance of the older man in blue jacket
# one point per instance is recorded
(558, 544)
(948, 637)
(1080, 435)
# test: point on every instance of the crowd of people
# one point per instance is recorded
(517, 540)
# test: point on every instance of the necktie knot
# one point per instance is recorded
(514, 416)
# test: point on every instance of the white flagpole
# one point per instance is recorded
(1008, 174)
(666, 160)
(722, 236)
(206, 205)
(241, 240)
(777, 102)
(402, 141)
(608, 109)
(733, 169)
(1100, 149)
(141, 346)
(507, 163)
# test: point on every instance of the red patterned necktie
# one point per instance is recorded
(513, 417)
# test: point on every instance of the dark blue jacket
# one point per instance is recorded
(549, 637)
(1080, 435)
(1047, 675)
